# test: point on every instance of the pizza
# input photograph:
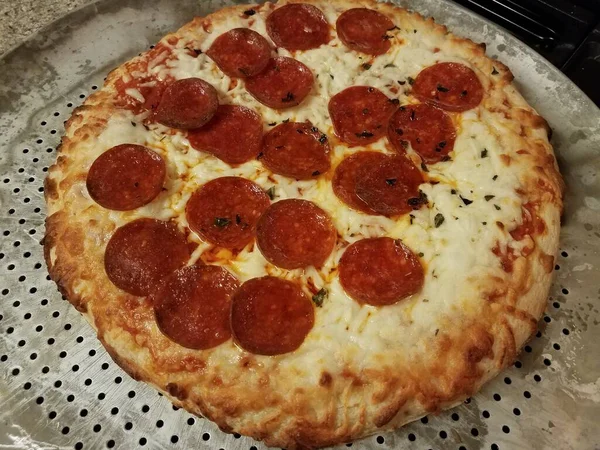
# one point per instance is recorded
(307, 221)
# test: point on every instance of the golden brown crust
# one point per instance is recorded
(339, 407)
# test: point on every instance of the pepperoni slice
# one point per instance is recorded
(295, 233)
(270, 316)
(380, 271)
(296, 150)
(451, 86)
(187, 103)
(233, 135)
(360, 114)
(192, 306)
(429, 130)
(364, 30)
(391, 186)
(240, 52)
(126, 177)
(225, 211)
(298, 26)
(283, 84)
(346, 176)
(141, 253)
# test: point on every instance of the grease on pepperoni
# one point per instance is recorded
(143, 252)
(270, 316)
(192, 306)
(240, 52)
(233, 135)
(295, 233)
(283, 84)
(296, 150)
(391, 186)
(380, 271)
(364, 30)
(360, 114)
(298, 26)
(346, 176)
(429, 130)
(126, 177)
(451, 86)
(225, 211)
(188, 103)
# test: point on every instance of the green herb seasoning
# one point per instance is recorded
(319, 297)
(221, 222)
(438, 220)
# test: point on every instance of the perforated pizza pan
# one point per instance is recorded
(60, 389)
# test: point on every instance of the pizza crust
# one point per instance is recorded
(244, 393)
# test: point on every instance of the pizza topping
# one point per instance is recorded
(225, 211)
(319, 297)
(240, 52)
(138, 89)
(187, 103)
(346, 176)
(233, 135)
(389, 186)
(192, 306)
(283, 84)
(295, 233)
(126, 177)
(143, 252)
(360, 114)
(532, 223)
(298, 26)
(270, 316)
(296, 150)
(451, 86)
(380, 271)
(428, 129)
(365, 30)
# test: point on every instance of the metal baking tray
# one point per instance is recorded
(60, 390)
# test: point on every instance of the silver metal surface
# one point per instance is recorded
(59, 388)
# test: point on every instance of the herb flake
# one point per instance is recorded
(484, 153)
(494, 71)
(438, 220)
(366, 66)
(319, 297)
(271, 192)
(289, 97)
(466, 201)
(222, 222)
(364, 134)
(488, 197)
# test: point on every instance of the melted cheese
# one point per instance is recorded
(453, 253)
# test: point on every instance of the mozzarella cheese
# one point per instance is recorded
(453, 253)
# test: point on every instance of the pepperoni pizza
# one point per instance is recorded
(307, 221)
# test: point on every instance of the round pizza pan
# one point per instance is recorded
(60, 390)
